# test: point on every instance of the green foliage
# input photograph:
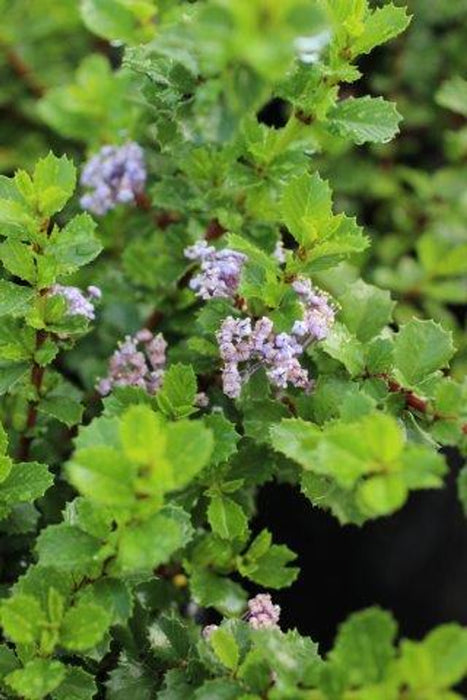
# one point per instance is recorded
(120, 513)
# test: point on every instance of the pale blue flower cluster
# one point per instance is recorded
(139, 361)
(78, 304)
(220, 270)
(244, 347)
(115, 175)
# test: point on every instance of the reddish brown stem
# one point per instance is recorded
(24, 72)
(37, 376)
(214, 230)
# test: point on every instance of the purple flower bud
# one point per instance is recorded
(262, 613)
(94, 292)
(279, 252)
(115, 175)
(139, 361)
(208, 630)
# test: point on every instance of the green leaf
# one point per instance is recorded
(84, 626)
(420, 348)
(227, 518)
(14, 298)
(364, 646)
(364, 119)
(123, 20)
(104, 475)
(225, 647)
(25, 482)
(95, 108)
(344, 347)
(74, 245)
(22, 618)
(37, 679)
(306, 207)
(18, 259)
(189, 447)
(270, 568)
(112, 595)
(225, 437)
(437, 662)
(145, 546)
(8, 660)
(176, 396)
(66, 410)
(77, 685)
(210, 590)
(365, 309)
(66, 547)
(381, 25)
(10, 374)
(143, 436)
(381, 495)
(296, 439)
(54, 182)
(453, 95)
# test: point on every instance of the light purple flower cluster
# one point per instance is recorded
(318, 314)
(138, 361)
(115, 175)
(262, 613)
(78, 304)
(254, 346)
(220, 270)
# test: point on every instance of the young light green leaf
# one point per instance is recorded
(225, 647)
(37, 679)
(83, 626)
(176, 396)
(14, 298)
(120, 20)
(22, 618)
(54, 182)
(364, 646)
(382, 24)
(306, 208)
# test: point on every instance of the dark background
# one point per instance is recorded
(413, 563)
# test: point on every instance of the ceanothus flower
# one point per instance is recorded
(262, 613)
(220, 270)
(258, 346)
(139, 361)
(245, 347)
(78, 304)
(318, 315)
(115, 175)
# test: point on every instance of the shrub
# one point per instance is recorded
(188, 314)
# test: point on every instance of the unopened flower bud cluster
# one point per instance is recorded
(262, 614)
(245, 346)
(139, 361)
(220, 270)
(115, 175)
